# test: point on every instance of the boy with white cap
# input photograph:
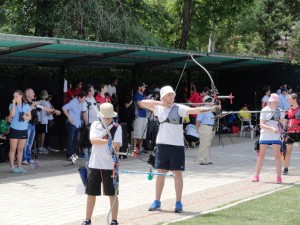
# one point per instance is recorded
(101, 163)
(170, 144)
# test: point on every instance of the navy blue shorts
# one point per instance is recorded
(270, 142)
(96, 177)
(170, 157)
(17, 134)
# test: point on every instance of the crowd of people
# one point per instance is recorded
(139, 110)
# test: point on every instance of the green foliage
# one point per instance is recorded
(251, 27)
(293, 49)
(265, 28)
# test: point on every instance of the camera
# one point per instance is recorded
(88, 104)
(21, 114)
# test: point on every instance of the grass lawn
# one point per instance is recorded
(279, 208)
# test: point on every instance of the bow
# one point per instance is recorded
(214, 89)
(115, 173)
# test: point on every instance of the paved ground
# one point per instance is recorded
(48, 195)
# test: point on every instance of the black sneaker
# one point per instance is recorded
(87, 222)
(285, 171)
(113, 222)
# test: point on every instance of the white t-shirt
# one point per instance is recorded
(90, 112)
(266, 115)
(170, 134)
(191, 129)
(111, 90)
(42, 114)
(100, 155)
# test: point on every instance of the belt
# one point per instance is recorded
(208, 125)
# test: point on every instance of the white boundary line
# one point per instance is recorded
(228, 206)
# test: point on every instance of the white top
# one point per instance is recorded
(268, 135)
(111, 90)
(170, 134)
(42, 114)
(265, 99)
(100, 155)
(90, 112)
(191, 129)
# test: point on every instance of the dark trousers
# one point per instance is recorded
(72, 139)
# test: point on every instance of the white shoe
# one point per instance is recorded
(25, 162)
(43, 151)
(31, 161)
(52, 150)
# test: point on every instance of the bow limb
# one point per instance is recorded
(213, 86)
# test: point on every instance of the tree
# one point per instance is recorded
(217, 11)
(186, 19)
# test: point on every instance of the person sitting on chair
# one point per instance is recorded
(191, 135)
(244, 113)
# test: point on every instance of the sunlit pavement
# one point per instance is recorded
(48, 195)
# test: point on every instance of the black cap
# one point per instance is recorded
(206, 89)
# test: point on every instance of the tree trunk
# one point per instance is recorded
(212, 37)
(186, 20)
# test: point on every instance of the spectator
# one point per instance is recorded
(72, 111)
(42, 126)
(283, 100)
(73, 91)
(112, 91)
(34, 108)
(194, 98)
(140, 122)
(126, 110)
(102, 96)
(265, 98)
(244, 113)
(20, 113)
(90, 114)
(4, 136)
(52, 129)
(191, 135)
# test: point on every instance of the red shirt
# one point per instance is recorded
(195, 98)
(100, 99)
(70, 94)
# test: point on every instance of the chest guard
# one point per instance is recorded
(293, 116)
(173, 116)
(276, 115)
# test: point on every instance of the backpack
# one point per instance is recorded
(235, 129)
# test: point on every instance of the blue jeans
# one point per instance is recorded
(27, 154)
(72, 139)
